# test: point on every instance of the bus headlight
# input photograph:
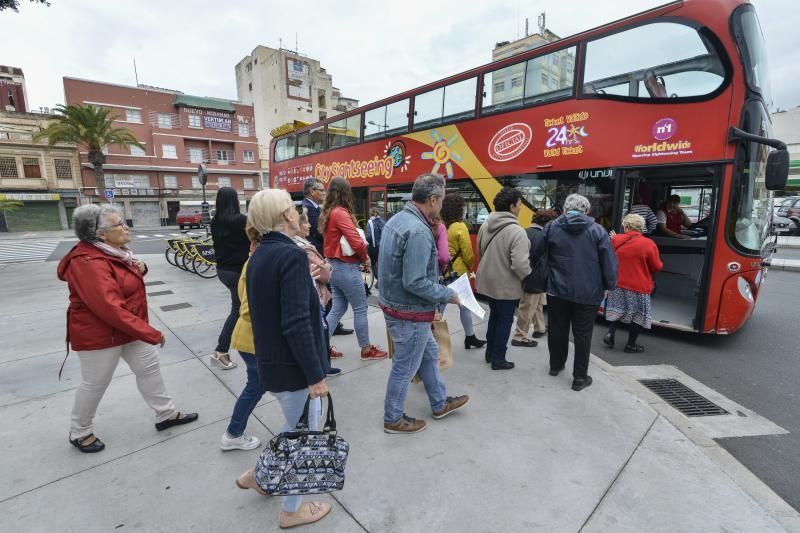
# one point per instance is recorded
(744, 289)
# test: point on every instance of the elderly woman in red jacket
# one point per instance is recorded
(107, 320)
(629, 303)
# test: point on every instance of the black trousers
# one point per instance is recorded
(561, 314)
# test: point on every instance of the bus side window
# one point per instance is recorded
(666, 59)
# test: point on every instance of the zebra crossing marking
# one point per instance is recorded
(29, 251)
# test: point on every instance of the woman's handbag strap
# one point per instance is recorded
(330, 419)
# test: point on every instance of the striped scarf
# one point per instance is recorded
(120, 253)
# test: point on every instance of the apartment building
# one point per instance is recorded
(179, 132)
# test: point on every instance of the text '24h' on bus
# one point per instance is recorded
(670, 101)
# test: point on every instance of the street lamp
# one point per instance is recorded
(202, 175)
(384, 126)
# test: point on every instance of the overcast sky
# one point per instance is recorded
(372, 49)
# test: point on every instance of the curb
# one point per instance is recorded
(787, 265)
(773, 504)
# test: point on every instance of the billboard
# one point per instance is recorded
(217, 121)
(297, 80)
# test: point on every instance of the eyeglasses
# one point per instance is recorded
(98, 226)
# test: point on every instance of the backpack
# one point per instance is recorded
(536, 281)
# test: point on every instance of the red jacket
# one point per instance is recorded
(107, 300)
(341, 223)
(638, 261)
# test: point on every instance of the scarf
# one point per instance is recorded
(120, 253)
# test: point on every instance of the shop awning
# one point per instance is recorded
(202, 102)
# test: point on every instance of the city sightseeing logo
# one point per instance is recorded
(351, 170)
(510, 141)
(663, 130)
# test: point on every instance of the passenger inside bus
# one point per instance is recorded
(671, 218)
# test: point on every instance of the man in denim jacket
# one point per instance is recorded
(410, 292)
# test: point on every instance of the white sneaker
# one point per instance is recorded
(245, 442)
(216, 360)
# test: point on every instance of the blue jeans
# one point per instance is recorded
(230, 279)
(248, 399)
(347, 286)
(414, 349)
(292, 403)
(466, 319)
(501, 318)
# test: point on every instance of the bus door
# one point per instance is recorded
(360, 209)
(679, 297)
(377, 199)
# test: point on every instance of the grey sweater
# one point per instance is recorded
(503, 261)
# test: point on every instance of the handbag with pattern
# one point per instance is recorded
(302, 461)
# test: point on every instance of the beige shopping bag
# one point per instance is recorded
(441, 333)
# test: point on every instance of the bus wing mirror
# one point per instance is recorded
(777, 172)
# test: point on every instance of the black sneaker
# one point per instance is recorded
(578, 384)
(634, 348)
(502, 365)
(608, 340)
(333, 371)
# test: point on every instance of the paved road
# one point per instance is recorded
(757, 367)
(142, 242)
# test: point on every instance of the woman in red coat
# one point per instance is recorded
(107, 319)
(629, 303)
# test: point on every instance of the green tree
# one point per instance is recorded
(13, 5)
(92, 128)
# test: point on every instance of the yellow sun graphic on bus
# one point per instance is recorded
(443, 153)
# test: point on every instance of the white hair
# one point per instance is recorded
(87, 219)
(577, 202)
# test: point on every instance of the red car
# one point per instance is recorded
(189, 219)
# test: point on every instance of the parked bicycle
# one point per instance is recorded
(192, 255)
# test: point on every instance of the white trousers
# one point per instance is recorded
(97, 369)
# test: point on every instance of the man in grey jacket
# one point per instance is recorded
(410, 292)
(504, 247)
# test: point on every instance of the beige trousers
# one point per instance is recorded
(531, 308)
(97, 369)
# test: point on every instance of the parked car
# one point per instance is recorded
(790, 208)
(785, 226)
(189, 219)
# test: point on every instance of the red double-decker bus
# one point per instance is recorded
(672, 101)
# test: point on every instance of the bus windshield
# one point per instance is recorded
(755, 57)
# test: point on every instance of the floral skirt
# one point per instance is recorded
(628, 307)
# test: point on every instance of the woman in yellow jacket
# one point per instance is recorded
(234, 437)
(461, 256)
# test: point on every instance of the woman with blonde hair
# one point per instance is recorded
(337, 223)
(629, 303)
(288, 335)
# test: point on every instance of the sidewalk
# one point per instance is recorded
(788, 242)
(527, 454)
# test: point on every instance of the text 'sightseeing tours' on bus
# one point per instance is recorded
(673, 101)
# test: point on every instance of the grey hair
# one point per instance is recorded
(425, 186)
(85, 217)
(633, 222)
(577, 202)
(309, 184)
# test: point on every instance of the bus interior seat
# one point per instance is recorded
(655, 85)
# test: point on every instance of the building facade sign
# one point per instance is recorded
(297, 85)
(217, 121)
(30, 197)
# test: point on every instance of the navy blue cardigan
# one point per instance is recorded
(285, 313)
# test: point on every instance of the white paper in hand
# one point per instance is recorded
(464, 291)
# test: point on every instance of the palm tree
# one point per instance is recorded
(7, 206)
(91, 127)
